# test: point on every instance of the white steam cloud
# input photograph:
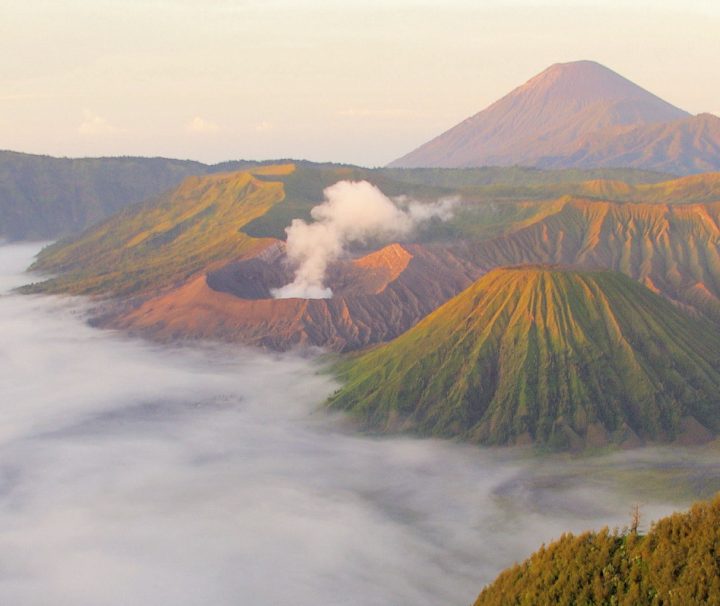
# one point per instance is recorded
(353, 211)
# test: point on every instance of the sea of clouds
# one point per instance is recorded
(137, 474)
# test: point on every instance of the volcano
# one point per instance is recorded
(548, 355)
(578, 114)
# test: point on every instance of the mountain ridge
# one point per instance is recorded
(200, 261)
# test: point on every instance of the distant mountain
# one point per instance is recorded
(544, 355)
(42, 197)
(685, 146)
(674, 563)
(578, 114)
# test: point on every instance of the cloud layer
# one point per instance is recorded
(353, 211)
(136, 474)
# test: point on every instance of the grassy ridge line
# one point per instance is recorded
(498, 198)
(673, 249)
(164, 241)
(519, 176)
(546, 355)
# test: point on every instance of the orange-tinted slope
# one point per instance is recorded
(377, 297)
(673, 249)
(167, 240)
(704, 187)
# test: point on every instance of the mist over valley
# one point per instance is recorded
(139, 473)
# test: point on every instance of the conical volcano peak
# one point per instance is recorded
(552, 355)
(586, 81)
(577, 114)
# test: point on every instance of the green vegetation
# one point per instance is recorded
(45, 197)
(676, 563)
(673, 247)
(518, 176)
(496, 200)
(165, 241)
(304, 189)
(42, 197)
(557, 357)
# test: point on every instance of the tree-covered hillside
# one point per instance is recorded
(676, 564)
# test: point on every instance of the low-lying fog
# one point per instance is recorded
(132, 474)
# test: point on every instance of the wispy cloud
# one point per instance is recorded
(94, 125)
(264, 126)
(201, 126)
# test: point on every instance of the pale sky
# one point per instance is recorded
(348, 81)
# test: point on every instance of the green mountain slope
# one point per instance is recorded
(547, 355)
(207, 219)
(44, 197)
(167, 240)
(527, 199)
(676, 563)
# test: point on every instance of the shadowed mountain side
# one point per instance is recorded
(377, 297)
(42, 197)
(689, 145)
(683, 190)
(544, 355)
(578, 114)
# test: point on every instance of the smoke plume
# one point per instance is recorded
(353, 212)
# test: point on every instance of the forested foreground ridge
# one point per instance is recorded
(677, 563)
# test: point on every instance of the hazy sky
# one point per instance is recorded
(355, 81)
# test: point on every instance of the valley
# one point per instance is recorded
(114, 462)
